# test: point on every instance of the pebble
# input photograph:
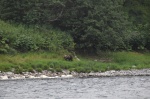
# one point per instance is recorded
(67, 74)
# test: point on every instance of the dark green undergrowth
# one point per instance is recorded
(54, 62)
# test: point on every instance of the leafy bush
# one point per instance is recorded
(18, 71)
(39, 70)
(4, 45)
(24, 43)
(25, 39)
(30, 70)
(58, 70)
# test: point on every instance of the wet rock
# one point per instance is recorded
(66, 72)
(3, 77)
(66, 76)
(43, 76)
(29, 76)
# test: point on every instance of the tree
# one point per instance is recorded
(12, 10)
(139, 13)
(31, 11)
(95, 25)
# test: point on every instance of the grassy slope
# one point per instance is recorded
(55, 62)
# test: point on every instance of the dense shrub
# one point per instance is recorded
(24, 43)
(23, 39)
(93, 24)
(4, 45)
(90, 22)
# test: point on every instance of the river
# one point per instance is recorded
(127, 87)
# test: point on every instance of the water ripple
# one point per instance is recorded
(78, 88)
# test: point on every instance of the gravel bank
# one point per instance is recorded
(67, 74)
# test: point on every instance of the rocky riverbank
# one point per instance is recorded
(67, 74)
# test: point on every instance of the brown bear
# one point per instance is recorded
(68, 57)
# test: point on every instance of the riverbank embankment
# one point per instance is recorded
(67, 74)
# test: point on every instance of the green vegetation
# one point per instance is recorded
(22, 39)
(36, 34)
(54, 62)
(94, 25)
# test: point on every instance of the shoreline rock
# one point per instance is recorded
(67, 74)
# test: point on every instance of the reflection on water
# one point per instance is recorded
(77, 88)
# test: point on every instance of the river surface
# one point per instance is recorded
(77, 88)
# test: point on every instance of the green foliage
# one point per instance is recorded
(31, 11)
(30, 69)
(24, 39)
(18, 71)
(58, 70)
(4, 45)
(93, 24)
(5, 67)
(24, 43)
(90, 23)
(38, 69)
(139, 13)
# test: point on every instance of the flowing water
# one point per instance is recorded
(77, 88)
